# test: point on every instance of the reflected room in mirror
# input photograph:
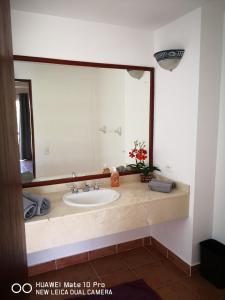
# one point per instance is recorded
(80, 118)
(25, 132)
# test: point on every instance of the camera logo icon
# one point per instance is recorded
(26, 288)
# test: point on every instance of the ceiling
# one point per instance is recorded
(140, 14)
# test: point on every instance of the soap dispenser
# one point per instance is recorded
(115, 178)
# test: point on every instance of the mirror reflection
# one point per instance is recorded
(78, 119)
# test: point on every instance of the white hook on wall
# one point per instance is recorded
(103, 129)
(118, 130)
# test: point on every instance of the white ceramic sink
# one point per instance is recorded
(91, 198)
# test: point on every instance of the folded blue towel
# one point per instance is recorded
(43, 204)
(29, 208)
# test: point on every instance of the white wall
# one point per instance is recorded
(186, 122)
(137, 108)
(219, 205)
(109, 106)
(176, 108)
(208, 112)
(56, 37)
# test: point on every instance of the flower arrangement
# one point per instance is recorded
(139, 153)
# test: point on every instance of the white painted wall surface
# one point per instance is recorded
(56, 37)
(108, 111)
(208, 113)
(187, 100)
(219, 204)
(137, 107)
(175, 129)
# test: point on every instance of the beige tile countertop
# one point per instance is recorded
(137, 207)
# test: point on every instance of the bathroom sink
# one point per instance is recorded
(91, 198)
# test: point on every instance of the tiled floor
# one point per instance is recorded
(146, 263)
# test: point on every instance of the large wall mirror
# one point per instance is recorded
(80, 118)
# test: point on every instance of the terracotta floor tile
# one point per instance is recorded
(177, 291)
(118, 278)
(156, 275)
(42, 268)
(204, 288)
(71, 260)
(94, 283)
(156, 254)
(49, 276)
(146, 263)
(159, 247)
(78, 273)
(45, 277)
(130, 245)
(174, 271)
(99, 253)
(138, 257)
(108, 265)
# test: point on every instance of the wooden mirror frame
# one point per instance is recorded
(95, 65)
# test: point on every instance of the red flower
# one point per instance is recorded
(144, 151)
(138, 152)
(133, 152)
(141, 154)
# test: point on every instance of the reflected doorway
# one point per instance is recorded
(25, 131)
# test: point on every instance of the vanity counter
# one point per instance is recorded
(137, 207)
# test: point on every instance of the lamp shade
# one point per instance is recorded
(169, 59)
(137, 74)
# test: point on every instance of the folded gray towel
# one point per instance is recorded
(121, 169)
(43, 204)
(161, 185)
(29, 208)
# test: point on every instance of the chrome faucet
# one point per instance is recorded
(86, 187)
(96, 186)
(74, 189)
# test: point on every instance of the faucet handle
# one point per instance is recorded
(74, 188)
(86, 187)
(96, 186)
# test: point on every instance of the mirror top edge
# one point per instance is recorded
(72, 179)
(79, 63)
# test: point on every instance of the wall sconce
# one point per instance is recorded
(169, 59)
(137, 74)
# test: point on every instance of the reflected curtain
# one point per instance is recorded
(25, 127)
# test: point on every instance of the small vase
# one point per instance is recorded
(146, 178)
